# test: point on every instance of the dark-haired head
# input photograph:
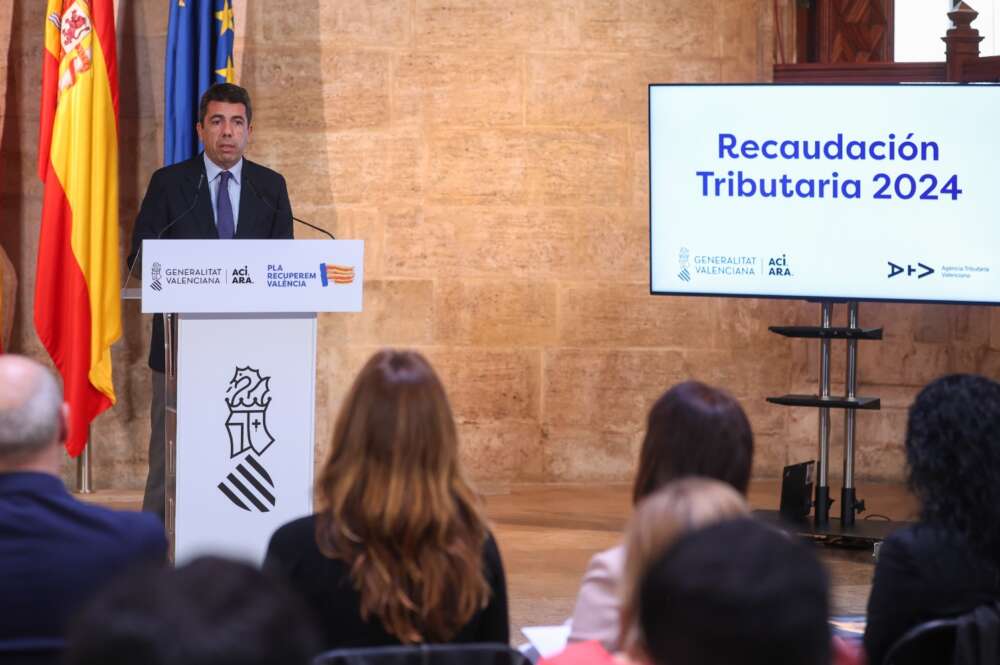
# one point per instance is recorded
(225, 92)
(953, 454)
(736, 592)
(209, 612)
(695, 430)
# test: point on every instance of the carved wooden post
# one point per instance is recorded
(962, 41)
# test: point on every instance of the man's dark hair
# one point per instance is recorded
(694, 430)
(953, 457)
(209, 612)
(224, 92)
(736, 592)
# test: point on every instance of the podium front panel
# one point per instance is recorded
(245, 430)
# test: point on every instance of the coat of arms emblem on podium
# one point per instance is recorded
(248, 486)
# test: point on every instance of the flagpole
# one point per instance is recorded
(83, 478)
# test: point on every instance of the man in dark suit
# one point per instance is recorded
(55, 552)
(183, 201)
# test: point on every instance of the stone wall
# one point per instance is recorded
(493, 156)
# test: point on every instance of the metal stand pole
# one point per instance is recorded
(84, 480)
(848, 503)
(822, 508)
(170, 435)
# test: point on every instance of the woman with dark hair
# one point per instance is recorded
(398, 551)
(692, 430)
(949, 562)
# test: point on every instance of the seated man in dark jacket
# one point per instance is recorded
(55, 552)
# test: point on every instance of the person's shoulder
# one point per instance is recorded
(296, 531)
(188, 167)
(260, 172)
(609, 563)
(917, 536)
(136, 531)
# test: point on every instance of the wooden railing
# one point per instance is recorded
(962, 64)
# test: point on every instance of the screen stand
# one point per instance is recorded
(845, 528)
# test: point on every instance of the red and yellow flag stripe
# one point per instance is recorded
(77, 309)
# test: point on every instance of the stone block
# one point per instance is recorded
(489, 384)
(584, 455)
(905, 364)
(586, 167)
(881, 462)
(673, 28)
(436, 241)
(300, 157)
(656, 69)
(743, 71)
(506, 451)
(576, 89)
(502, 24)
(625, 315)
(612, 245)
(971, 324)
(458, 88)
(479, 167)
(638, 167)
(339, 90)
(882, 427)
(561, 243)
(770, 455)
(140, 59)
(741, 33)
(745, 373)
(357, 223)
(396, 313)
(990, 364)
(511, 312)
(337, 365)
(336, 24)
(354, 167)
(607, 390)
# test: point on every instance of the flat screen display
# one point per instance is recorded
(860, 192)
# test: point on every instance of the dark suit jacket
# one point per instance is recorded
(325, 585)
(924, 573)
(57, 552)
(264, 213)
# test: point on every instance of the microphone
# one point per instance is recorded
(268, 204)
(138, 254)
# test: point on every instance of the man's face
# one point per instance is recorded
(225, 133)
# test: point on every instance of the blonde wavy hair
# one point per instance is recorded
(393, 504)
(658, 521)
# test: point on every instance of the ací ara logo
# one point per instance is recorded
(242, 276)
(778, 266)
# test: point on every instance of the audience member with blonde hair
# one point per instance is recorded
(398, 550)
(659, 520)
(693, 430)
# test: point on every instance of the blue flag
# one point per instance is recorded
(200, 38)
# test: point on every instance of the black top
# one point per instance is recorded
(922, 574)
(178, 205)
(325, 585)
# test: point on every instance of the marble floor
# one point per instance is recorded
(548, 532)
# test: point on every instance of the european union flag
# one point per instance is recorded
(200, 38)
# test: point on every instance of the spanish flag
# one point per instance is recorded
(77, 312)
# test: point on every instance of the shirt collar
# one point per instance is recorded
(212, 170)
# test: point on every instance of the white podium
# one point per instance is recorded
(240, 329)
